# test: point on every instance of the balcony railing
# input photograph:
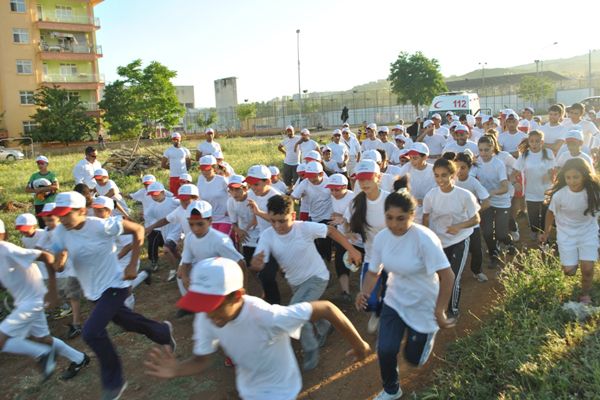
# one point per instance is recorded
(70, 19)
(90, 106)
(77, 78)
(71, 48)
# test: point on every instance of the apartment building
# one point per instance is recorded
(46, 43)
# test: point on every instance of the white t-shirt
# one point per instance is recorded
(411, 261)
(46, 243)
(588, 128)
(436, 143)
(240, 214)
(390, 149)
(534, 170)
(340, 206)
(338, 153)
(291, 155)
(421, 180)
(474, 186)
(110, 184)
(177, 157)
(369, 144)
(566, 156)
(353, 147)
(213, 244)
(208, 148)
(510, 141)
(261, 202)
(446, 209)
(564, 148)
(159, 210)
(215, 192)
(319, 198)
(93, 252)
(280, 186)
(375, 219)
(553, 133)
(490, 174)
(455, 148)
(442, 131)
(39, 236)
(295, 251)
(83, 172)
(141, 196)
(258, 342)
(19, 274)
(572, 227)
(476, 134)
(307, 146)
(179, 217)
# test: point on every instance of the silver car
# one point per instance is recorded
(10, 154)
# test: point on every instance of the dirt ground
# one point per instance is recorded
(336, 377)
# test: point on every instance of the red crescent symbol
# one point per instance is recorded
(437, 104)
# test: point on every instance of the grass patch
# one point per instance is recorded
(529, 348)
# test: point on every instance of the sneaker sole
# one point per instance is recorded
(173, 343)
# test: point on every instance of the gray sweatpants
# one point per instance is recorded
(310, 290)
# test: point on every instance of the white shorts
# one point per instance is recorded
(24, 321)
(571, 255)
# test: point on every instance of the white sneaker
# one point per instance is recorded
(172, 275)
(515, 236)
(386, 396)
(481, 277)
(373, 323)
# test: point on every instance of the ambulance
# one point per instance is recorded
(457, 102)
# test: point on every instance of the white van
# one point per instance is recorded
(457, 102)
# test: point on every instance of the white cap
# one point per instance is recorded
(427, 123)
(188, 190)
(209, 130)
(198, 209)
(436, 116)
(346, 130)
(336, 180)
(449, 113)
(461, 128)
(67, 201)
(371, 155)
(366, 169)
(155, 188)
(100, 172)
(185, 177)
(46, 210)
(470, 120)
(383, 129)
(418, 148)
(345, 125)
(336, 132)
(496, 121)
(301, 168)
(257, 173)
(236, 181)
(274, 170)
(41, 159)
(512, 114)
(523, 124)
(372, 126)
(207, 162)
(530, 109)
(103, 202)
(325, 148)
(148, 179)
(40, 182)
(289, 128)
(574, 135)
(175, 135)
(312, 155)
(305, 131)
(400, 128)
(25, 222)
(313, 169)
(403, 153)
(210, 281)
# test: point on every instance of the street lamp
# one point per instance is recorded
(299, 87)
(483, 64)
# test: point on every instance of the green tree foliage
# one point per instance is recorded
(143, 99)
(245, 112)
(206, 120)
(533, 88)
(416, 79)
(61, 118)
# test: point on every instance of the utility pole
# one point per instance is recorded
(299, 87)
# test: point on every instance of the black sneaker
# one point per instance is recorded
(182, 313)
(47, 363)
(113, 394)
(172, 341)
(74, 331)
(74, 368)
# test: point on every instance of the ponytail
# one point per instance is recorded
(358, 220)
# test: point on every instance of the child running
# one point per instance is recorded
(243, 220)
(213, 189)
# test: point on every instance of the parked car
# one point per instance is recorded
(10, 154)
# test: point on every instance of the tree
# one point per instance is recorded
(61, 118)
(206, 120)
(416, 79)
(533, 88)
(142, 100)
(245, 112)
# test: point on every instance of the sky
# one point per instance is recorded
(342, 43)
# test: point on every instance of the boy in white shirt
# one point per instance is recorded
(290, 162)
(276, 181)
(292, 244)
(390, 148)
(177, 159)
(574, 141)
(243, 220)
(435, 142)
(340, 152)
(305, 144)
(209, 147)
(254, 333)
(371, 142)
(511, 138)
(460, 143)
(554, 131)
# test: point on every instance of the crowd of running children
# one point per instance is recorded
(404, 212)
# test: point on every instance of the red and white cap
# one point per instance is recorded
(67, 201)
(256, 173)
(530, 109)
(236, 181)
(155, 189)
(461, 128)
(300, 169)
(312, 155)
(148, 179)
(372, 155)
(274, 170)
(325, 148)
(100, 173)
(427, 123)
(103, 202)
(185, 178)
(372, 126)
(336, 181)
(289, 128)
(313, 169)
(47, 210)
(574, 135)
(40, 159)
(383, 129)
(209, 130)
(25, 222)
(219, 155)
(206, 162)
(187, 191)
(523, 125)
(175, 135)
(399, 128)
(198, 209)
(366, 170)
(404, 154)
(211, 280)
(418, 149)
(305, 131)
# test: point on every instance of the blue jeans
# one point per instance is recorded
(375, 300)
(416, 351)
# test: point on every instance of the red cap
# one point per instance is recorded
(252, 180)
(184, 196)
(363, 176)
(205, 167)
(198, 302)
(24, 228)
(61, 211)
(44, 213)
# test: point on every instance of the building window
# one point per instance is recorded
(26, 97)
(63, 13)
(24, 67)
(73, 96)
(68, 69)
(20, 35)
(29, 126)
(17, 6)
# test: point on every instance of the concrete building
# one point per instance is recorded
(46, 43)
(185, 95)
(226, 102)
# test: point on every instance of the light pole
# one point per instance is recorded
(299, 87)
(542, 59)
(483, 64)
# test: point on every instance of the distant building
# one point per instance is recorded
(185, 95)
(226, 101)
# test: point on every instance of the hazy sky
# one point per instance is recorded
(342, 43)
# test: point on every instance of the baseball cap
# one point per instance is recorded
(103, 202)
(371, 155)
(403, 154)
(300, 169)
(372, 126)
(155, 188)
(100, 173)
(574, 135)
(512, 114)
(209, 130)
(427, 123)
(366, 169)
(257, 173)
(346, 130)
(436, 116)
(67, 201)
(336, 132)
(530, 109)
(313, 169)
(289, 128)
(175, 135)
(325, 148)
(47, 210)
(305, 131)
(523, 124)
(198, 209)
(185, 177)
(236, 181)
(25, 222)
(274, 170)
(383, 129)
(39, 159)
(218, 155)
(336, 180)
(206, 162)
(186, 191)
(345, 125)
(312, 155)
(399, 128)
(454, 123)
(470, 120)
(148, 179)
(461, 128)
(211, 280)
(449, 113)
(418, 148)
(496, 121)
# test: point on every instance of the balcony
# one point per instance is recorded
(68, 51)
(74, 82)
(78, 23)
